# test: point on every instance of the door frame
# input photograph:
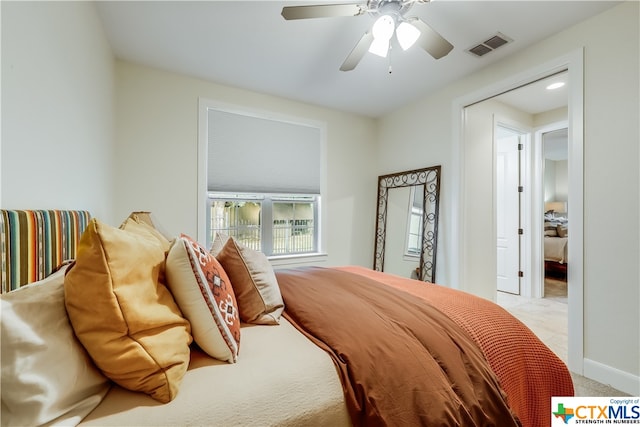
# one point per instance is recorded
(573, 62)
(538, 208)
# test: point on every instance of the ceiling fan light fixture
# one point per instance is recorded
(407, 35)
(382, 32)
(383, 28)
(390, 18)
(379, 47)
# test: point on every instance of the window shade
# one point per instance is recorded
(252, 154)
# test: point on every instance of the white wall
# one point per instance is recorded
(156, 156)
(422, 132)
(57, 108)
(549, 181)
(556, 180)
(562, 180)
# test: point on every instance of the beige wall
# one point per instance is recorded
(57, 108)
(551, 116)
(156, 156)
(423, 133)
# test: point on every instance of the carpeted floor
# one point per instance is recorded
(555, 289)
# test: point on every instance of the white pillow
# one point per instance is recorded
(205, 295)
(47, 376)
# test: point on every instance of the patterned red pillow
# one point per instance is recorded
(203, 292)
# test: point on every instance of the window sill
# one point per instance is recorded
(307, 259)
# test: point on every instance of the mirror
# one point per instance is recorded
(407, 223)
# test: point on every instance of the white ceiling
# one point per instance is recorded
(247, 44)
(535, 98)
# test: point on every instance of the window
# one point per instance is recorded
(262, 178)
(236, 216)
(293, 229)
(274, 224)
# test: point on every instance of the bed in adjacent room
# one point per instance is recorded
(556, 232)
(291, 347)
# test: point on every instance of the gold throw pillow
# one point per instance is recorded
(123, 314)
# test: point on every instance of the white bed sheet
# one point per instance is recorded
(281, 378)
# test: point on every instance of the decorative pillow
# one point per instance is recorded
(254, 283)
(218, 243)
(144, 217)
(47, 376)
(550, 229)
(123, 315)
(562, 231)
(135, 224)
(204, 294)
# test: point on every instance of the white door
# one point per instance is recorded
(508, 213)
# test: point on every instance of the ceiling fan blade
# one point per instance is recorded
(435, 45)
(357, 53)
(321, 11)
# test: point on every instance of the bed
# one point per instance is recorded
(555, 246)
(346, 345)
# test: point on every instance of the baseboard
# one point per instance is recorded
(613, 377)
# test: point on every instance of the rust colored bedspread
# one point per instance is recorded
(402, 362)
(528, 371)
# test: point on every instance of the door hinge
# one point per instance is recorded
(520, 231)
(520, 274)
(520, 146)
(520, 189)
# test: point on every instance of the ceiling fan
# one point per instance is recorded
(390, 19)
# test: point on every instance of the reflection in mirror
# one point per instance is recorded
(407, 223)
(402, 246)
(414, 221)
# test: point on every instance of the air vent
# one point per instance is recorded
(480, 50)
(489, 45)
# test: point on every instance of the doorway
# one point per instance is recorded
(474, 206)
(556, 207)
(504, 126)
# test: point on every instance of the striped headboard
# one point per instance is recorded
(35, 243)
